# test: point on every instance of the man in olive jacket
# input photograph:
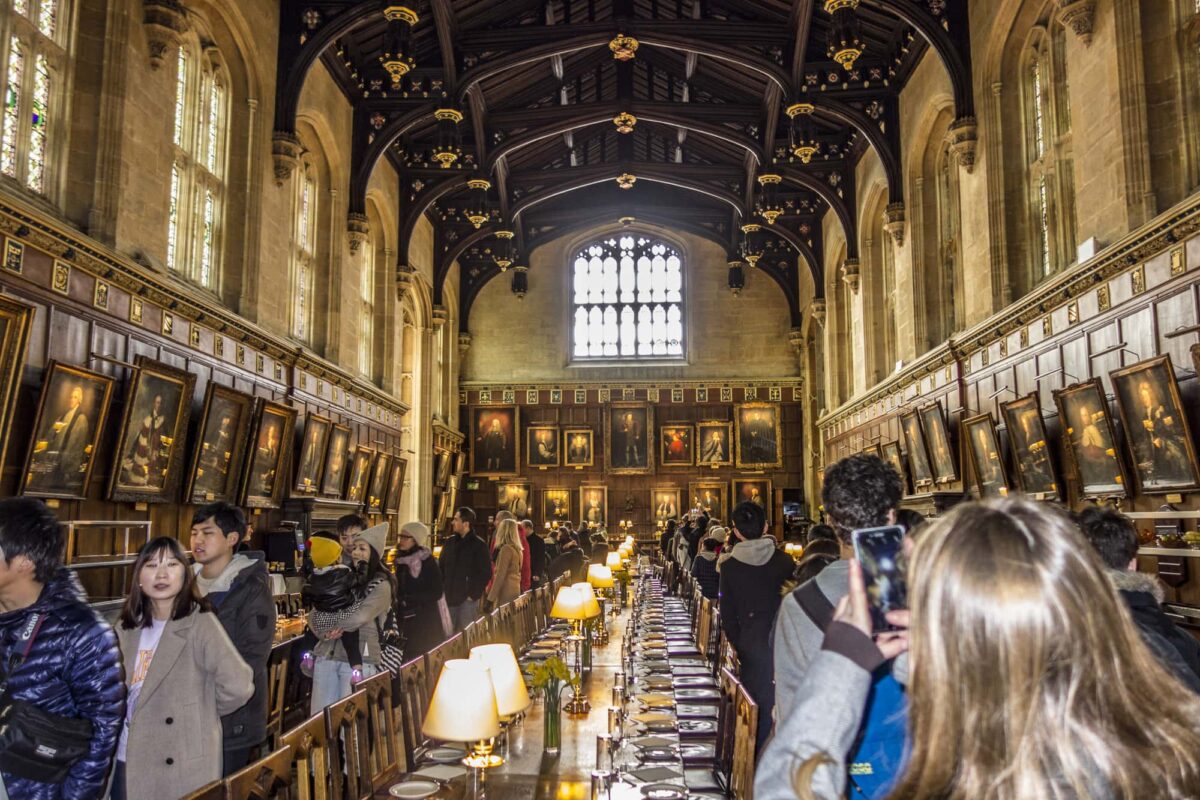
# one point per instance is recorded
(239, 588)
(466, 569)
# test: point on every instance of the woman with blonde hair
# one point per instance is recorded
(506, 571)
(1027, 678)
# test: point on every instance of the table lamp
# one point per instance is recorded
(571, 605)
(463, 709)
(512, 695)
(600, 576)
(613, 560)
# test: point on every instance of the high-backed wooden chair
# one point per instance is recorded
(213, 791)
(346, 720)
(269, 778)
(316, 766)
(456, 647)
(277, 674)
(434, 660)
(741, 781)
(498, 620)
(703, 625)
(726, 726)
(473, 634)
(414, 700)
(384, 748)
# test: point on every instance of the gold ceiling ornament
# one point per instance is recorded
(477, 214)
(397, 58)
(835, 5)
(736, 279)
(449, 114)
(771, 208)
(504, 250)
(845, 42)
(624, 48)
(626, 180)
(626, 221)
(752, 247)
(447, 149)
(625, 122)
(401, 14)
(803, 135)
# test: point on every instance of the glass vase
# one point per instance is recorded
(552, 721)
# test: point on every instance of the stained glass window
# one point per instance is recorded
(206, 243)
(173, 219)
(180, 95)
(12, 106)
(214, 126)
(48, 17)
(303, 236)
(35, 177)
(627, 293)
(366, 321)
(21, 7)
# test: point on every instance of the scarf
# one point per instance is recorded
(413, 560)
(754, 552)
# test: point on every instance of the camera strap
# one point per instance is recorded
(24, 643)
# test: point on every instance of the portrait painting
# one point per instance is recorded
(715, 448)
(66, 432)
(360, 473)
(541, 445)
(665, 502)
(711, 497)
(676, 445)
(627, 438)
(337, 458)
(873, 450)
(266, 477)
(593, 505)
(918, 456)
(937, 441)
(377, 485)
(220, 450)
(1031, 449)
(556, 505)
(312, 453)
(1157, 434)
(579, 446)
(893, 456)
(987, 462)
(756, 431)
(513, 497)
(495, 448)
(441, 468)
(16, 320)
(1091, 440)
(150, 454)
(751, 490)
(460, 463)
(395, 485)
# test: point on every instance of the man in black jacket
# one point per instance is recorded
(239, 589)
(570, 558)
(466, 569)
(1113, 537)
(537, 554)
(751, 580)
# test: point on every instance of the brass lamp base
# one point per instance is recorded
(482, 757)
(578, 704)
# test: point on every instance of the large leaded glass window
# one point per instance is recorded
(31, 68)
(627, 300)
(303, 244)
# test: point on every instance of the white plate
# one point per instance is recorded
(414, 789)
(445, 755)
(663, 791)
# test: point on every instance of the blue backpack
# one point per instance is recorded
(877, 756)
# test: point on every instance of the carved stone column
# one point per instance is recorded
(796, 341)
(893, 222)
(852, 274)
(357, 230)
(464, 344)
(817, 309)
(404, 279)
(165, 22)
(1078, 15)
(285, 151)
(964, 137)
(440, 315)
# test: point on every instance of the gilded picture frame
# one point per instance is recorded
(664, 503)
(1158, 437)
(677, 444)
(1036, 473)
(755, 489)
(985, 455)
(919, 465)
(267, 475)
(542, 448)
(148, 461)
(337, 461)
(579, 447)
(556, 505)
(714, 443)
(395, 488)
(378, 484)
(219, 453)
(593, 504)
(310, 465)
(16, 321)
(66, 432)
(710, 496)
(938, 443)
(893, 456)
(628, 446)
(1091, 440)
(758, 443)
(495, 441)
(514, 497)
(360, 473)
(441, 468)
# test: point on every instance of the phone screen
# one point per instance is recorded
(880, 551)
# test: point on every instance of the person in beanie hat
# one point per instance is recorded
(333, 674)
(332, 587)
(421, 607)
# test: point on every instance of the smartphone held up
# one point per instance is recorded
(880, 551)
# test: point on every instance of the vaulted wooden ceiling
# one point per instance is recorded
(538, 85)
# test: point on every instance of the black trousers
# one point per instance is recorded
(235, 758)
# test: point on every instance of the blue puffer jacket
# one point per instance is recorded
(73, 669)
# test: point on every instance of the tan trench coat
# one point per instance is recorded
(196, 676)
(506, 580)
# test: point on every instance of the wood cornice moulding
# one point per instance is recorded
(469, 386)
(186, 304)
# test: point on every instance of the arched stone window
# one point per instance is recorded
(366, 309)
(949, 229)
(627, 300)
(34, 74)
(1049, 165)
(200, 134)
(304, 248)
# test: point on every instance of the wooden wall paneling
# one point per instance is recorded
(1138, 332)
(1099, 340)
(1172, 313)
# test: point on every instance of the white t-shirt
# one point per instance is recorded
(141, 665)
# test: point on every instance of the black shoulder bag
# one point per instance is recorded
(35, 744)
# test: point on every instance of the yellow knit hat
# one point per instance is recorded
(324, 552)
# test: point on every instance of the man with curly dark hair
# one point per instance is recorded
(861, 491)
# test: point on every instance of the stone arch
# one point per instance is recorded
(935, 229)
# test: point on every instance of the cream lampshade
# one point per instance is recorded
(600, 576)
(568, 604)
(629, 540)
(463, 706)
(591, 606)
(512, 696)
(613, 560)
